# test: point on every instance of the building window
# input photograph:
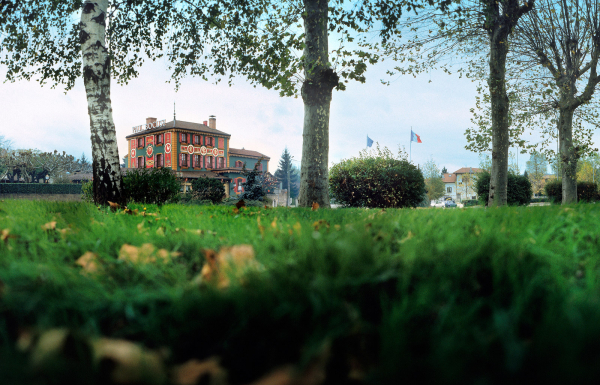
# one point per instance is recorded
(140, 142)
(209, 162)
(159, 160)
(196, 139)
(220, 162)
(449, 190)
(259, 167)
(197, 161)
(210, 141)
(183, 138)
(141, 162)
(239, 163)
(159, 139)
(183, 160)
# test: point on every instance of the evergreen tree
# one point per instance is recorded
(285, 165)
(257, 183)
(444, 171)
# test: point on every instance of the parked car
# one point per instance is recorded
(449, 204)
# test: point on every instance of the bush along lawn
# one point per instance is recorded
(225, 295)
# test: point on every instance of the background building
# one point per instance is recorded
(192, 150)
(460, 185)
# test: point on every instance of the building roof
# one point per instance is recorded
(449, 178)
(182, 125)
(200, 174)
(247, 153)
(466, 170)
(80, 176)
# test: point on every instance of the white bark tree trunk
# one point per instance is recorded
(108, 184)
(319, 82)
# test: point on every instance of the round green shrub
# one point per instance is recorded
(87, 191)
(518, 189)
(208, 189)
(151, 185)
(376, 180)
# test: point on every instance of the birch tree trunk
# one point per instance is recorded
(500, 109)
(318, 85)
(108, 184)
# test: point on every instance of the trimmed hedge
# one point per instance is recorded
(553, 190)
(470, 202)
(518, 188)
(586, 191)
(151, 185)
(208, 189)
(539, 200)
(39, 188)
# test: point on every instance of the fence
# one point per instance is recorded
(39, 188)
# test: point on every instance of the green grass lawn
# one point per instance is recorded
(466, 296)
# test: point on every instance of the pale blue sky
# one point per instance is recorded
(256, 118)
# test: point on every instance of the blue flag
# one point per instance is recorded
(369, 141)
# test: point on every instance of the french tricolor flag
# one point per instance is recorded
(414, 137)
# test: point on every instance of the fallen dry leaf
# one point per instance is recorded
(315, 206)
(64, 232)
(114, 206)
(89, 262)
(5, 235)
(49, 226)
(408, 236)
(146, 253)
(240, 204)
(298, 227)
(230, 261)
(320, 223)
(313, 374)
(261, 228)
(199, 372)
(129, 363)
(236, 210)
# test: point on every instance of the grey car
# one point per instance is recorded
(449, 204)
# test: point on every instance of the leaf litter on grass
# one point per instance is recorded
(444, 285)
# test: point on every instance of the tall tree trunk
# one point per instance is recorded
(568, 156)
(108, 184)
(500, 108)
(318, 85)
(501, 16)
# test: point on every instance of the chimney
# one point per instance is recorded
(212, 122)
(205, 123)
(150, 120)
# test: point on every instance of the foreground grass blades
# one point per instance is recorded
(338, 296)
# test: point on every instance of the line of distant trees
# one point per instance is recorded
(35, 166)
